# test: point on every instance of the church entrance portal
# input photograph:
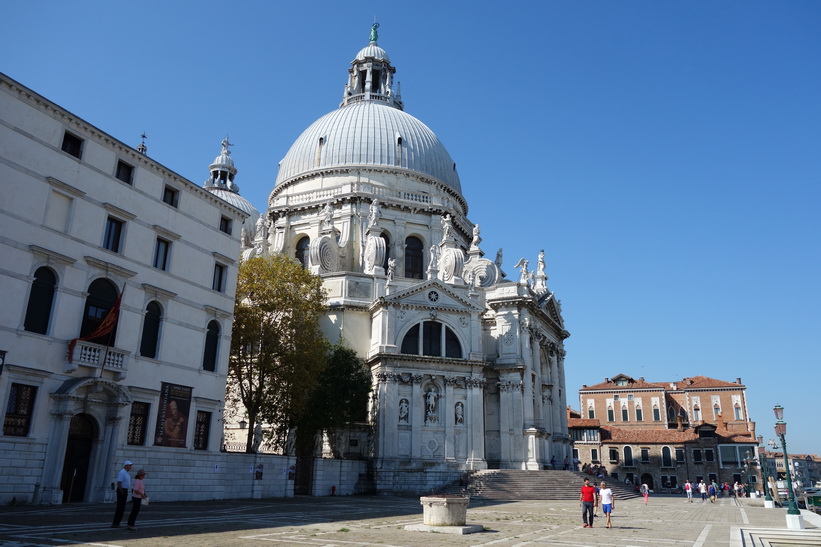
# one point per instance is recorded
(78, 458)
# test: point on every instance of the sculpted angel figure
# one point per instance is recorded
(374, 214)
(525, 276)
(498, 262)
(262, 228)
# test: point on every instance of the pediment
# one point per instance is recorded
(553, 309)
(433, 294)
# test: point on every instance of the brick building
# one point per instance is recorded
(665, 433)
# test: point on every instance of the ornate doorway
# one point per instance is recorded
(78, 458)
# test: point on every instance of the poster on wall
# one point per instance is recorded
(172, 419)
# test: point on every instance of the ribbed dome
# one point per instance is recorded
(372, 51)
(368, 134)
(223, 160)
(237, 201)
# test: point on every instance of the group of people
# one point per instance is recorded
(138, 495)
(712, 490)
(598, 471)
(591, 497)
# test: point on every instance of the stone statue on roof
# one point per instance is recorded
(374, 34)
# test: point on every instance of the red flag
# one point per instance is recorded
(108, 324)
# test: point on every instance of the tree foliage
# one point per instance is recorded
(339, 398)
(277, 349)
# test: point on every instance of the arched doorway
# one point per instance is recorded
(78, 457)
(647, 478)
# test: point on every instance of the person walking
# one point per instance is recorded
(607, 502)
(702, 489)
(123, 486)
(711, 490)
(645, 491)
(688, 488)
(137, 497)
(587, 501)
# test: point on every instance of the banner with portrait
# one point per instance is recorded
(172, 416)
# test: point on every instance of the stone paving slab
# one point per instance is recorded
(380, 521)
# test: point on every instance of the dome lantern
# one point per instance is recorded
(370, 77)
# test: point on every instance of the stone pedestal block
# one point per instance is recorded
(444, 510)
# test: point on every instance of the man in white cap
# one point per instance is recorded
(123, 486)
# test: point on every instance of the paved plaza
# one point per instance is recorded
(380, 521)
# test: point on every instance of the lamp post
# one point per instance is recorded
(747, 467)
(768, 499)
(794, 519)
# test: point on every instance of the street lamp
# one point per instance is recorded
(747, 467)
(764, 477)
(781, 431)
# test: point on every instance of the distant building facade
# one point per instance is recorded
(665, 433)
(90, 227)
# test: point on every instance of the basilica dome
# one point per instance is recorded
(369, 134)
(369, 130)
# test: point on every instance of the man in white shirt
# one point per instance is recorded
(607, 502)
(123, 486)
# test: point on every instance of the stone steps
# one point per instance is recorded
(776, 537)
(515, 484)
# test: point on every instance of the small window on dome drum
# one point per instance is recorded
(414, 262)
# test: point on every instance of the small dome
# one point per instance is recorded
(372, 51)
(369, 134)
(237, 201)
(223, 160)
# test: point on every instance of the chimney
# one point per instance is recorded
(680, 422)
(738, 381)
(607, 380)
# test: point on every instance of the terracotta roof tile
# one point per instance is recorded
(583, 422)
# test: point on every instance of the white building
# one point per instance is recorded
(467, 365)
(85, 219)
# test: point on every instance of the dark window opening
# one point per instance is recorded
(151, 330)
(138, 423)
(218, 282)
(41, 300)
(410, 344)
(112, 239)
(209, 361)
(19, 410)
(201, 429)
(161, 254)
(387, 251)
(124, 172)
(171, 196)
(414, 263)
(432, 338)
(72, 144)
(225, 225)
(302, 248)
(102, 295)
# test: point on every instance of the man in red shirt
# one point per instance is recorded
(587, 501)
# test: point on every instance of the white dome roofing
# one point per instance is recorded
(368, 134)
(372, 51)
(237, 201)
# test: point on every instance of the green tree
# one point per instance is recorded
(277, 349)
(339, 398)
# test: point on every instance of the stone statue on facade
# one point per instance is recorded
(540, 263)
(374, 214)
(476, 238)
(374, 34)
(257, 438)
(434, 258)
(498, 262)
(525, 275)
(245, 238)
(447, 227)
(460, 413)
(430, 404)
(262, 228)
(404, 408)
(391, 268)
(327, 215)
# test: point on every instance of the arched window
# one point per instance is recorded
(414, 262)
(387, 240)
(591, 412)
(656, 413)
(671, 414)
(302, 247)
(697, 413)
(625, 415)
(716, 411)
(639, 414)
(151, 330)
(212, 336)
(683, 414)
(41, 300)
(611, 415)
(737, 411)
(628, 456)
(436, 340)
(102, 295)
(666, 457)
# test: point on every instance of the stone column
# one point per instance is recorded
(53, 464)
(103, 492)
(450, 418)
(417, 416)
(527, 377)
(517, 424)
(475, 421)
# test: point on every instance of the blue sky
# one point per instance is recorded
(665, 155)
